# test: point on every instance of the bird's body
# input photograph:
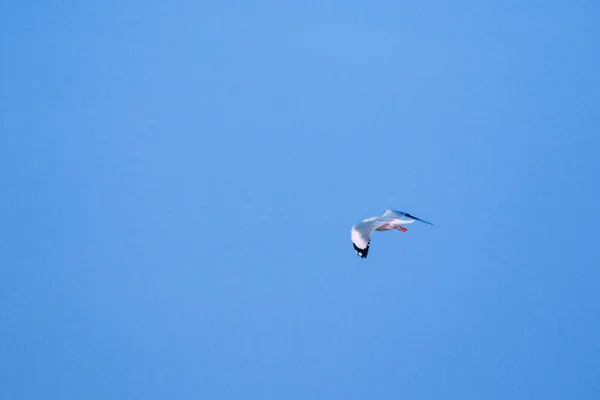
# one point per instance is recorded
(391, 219)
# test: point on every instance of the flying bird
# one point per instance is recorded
(391, 219)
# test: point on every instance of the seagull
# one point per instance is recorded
(391, 219)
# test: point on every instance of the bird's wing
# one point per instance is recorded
(361, 235)
(399, 214)
(393, 214)
(418, 219)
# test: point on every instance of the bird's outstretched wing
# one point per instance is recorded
(361, 235)
(400, 214)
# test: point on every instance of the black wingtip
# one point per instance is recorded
(418, 219)
(362, 253)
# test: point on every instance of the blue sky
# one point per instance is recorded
(178, 181)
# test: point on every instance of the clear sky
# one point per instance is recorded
(178, 180)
